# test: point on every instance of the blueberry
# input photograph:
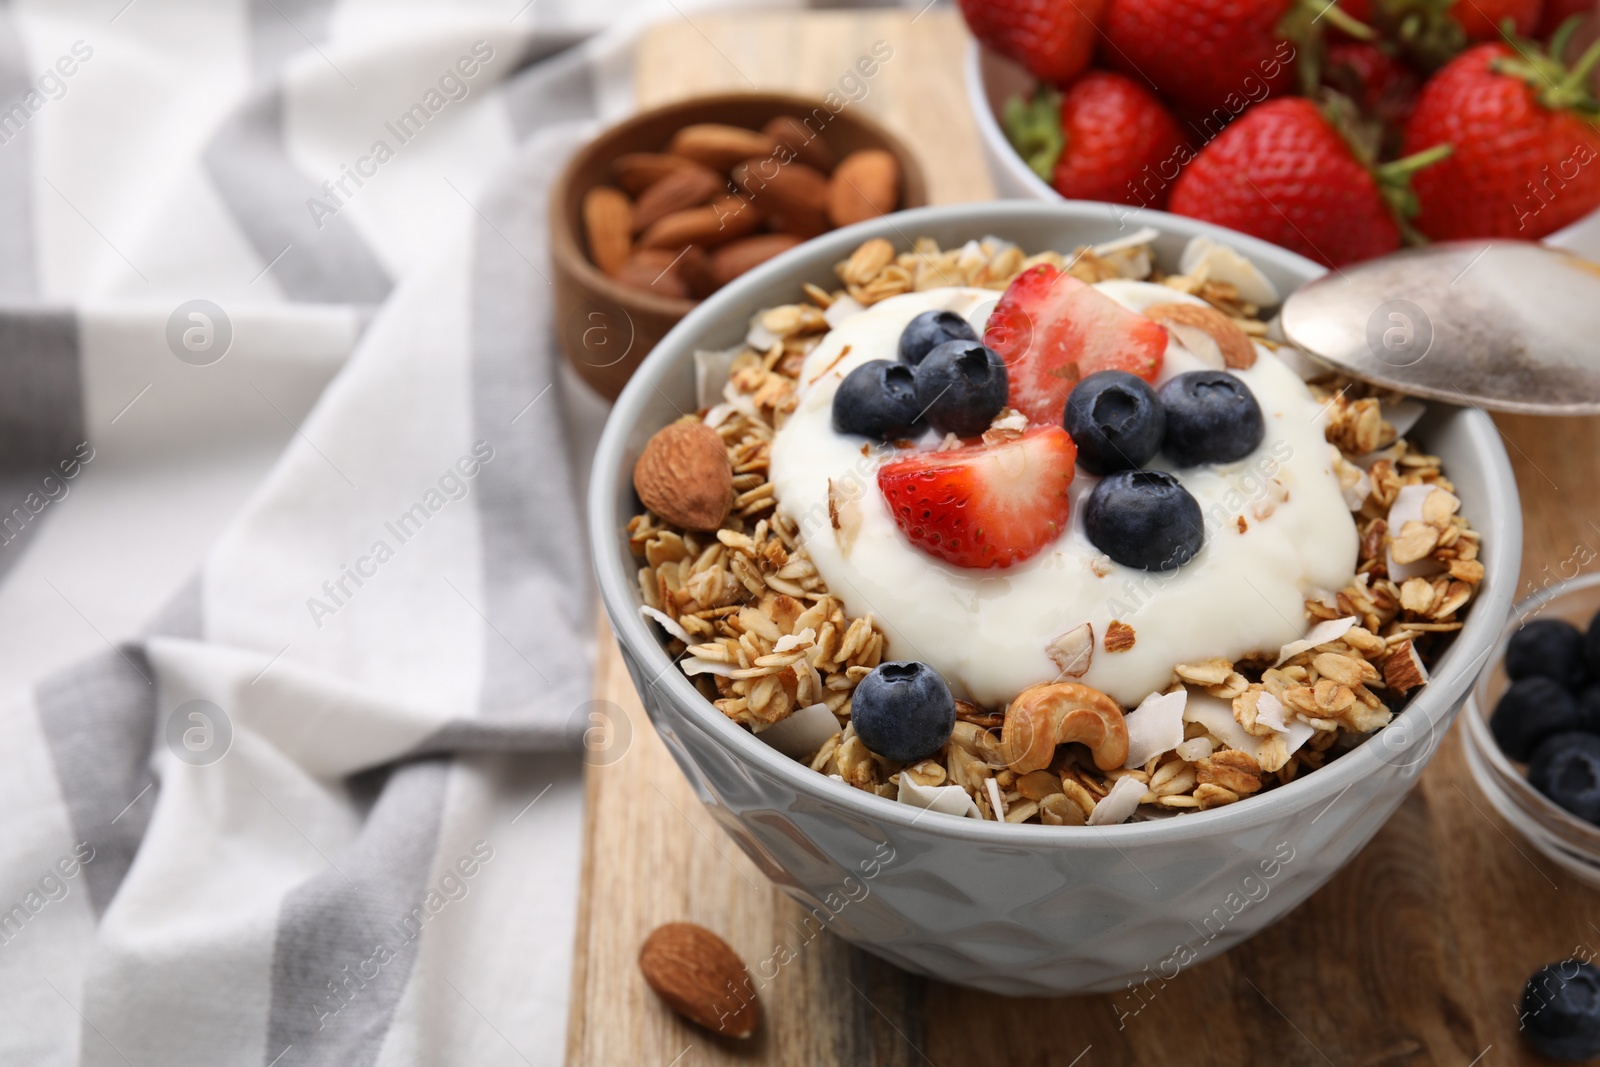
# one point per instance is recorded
(903, 711)
(1531, 710)
(1560, 1010)
(879, 400)
(1549, 647)
(1566, 768)
(961, 386)
(929, 330)
(1212, 417)
(1115, 420)
(1591, 646)
(1144, 519)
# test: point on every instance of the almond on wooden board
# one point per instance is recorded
(727, 218)
(701, 978)
(608, 226)
(638, 171)
(779, 188)
(807, 146)
(864, 185)
(1238, 352)
(683, 476)
(736, 257)
(690, 186)
(653, 270)
(718, 146)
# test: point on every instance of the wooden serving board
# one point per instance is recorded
(1415, 953)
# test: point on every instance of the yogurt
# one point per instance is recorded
(1277, 528)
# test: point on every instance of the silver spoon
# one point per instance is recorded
(1505, 325)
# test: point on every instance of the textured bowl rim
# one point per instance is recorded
(1444, 692)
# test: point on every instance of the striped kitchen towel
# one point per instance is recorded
(295, 600)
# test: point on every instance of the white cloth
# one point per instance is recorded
(324, 809)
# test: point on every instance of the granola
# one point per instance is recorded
(753, 625)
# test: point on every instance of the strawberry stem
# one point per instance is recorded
(1556, 87)
(1034, 129)
(1403, 169)
(1338, 17)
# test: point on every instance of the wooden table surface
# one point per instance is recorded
(1414, 953)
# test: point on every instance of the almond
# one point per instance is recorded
(809, 148)
(684, 477)
(690, 186)
(694, 267)
(638, 171)
(653, 271)
(864, 185)
(1232, 344)
(701, 978)
(782, 188)
(802, 224)
(725, 219)
(608, 222)
(736, 257)
(719, 147)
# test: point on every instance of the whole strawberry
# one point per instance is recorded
(1107, 138)
(1214, 58)
(1525, 141)
(1284, 173)
(1054, 39)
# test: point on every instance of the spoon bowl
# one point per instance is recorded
(1502, 325)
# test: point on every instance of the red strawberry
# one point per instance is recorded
(986, 505)
(1116, 131)
(1381, 85)
(1053, 330)
(1053, 39)
(1285, 174)
(1525, 145)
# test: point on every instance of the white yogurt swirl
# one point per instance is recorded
(1277, 528)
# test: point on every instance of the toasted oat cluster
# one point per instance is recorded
(754, 626)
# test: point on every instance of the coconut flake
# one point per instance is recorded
(1155, 726)
(1073, 651)
(1402, 413)
(1216, 715)
(788, 641)
(1407, 507)
(1195, 749)
(1010, 419)
(711, 370)
(1142, 236)
(1210, 261)
(760, 338)
(1199, 344)
(717, 415)
(945, 799)
(842, 309)
(668, 623)
(1320, 634)
(694, 665)
(1392, 454)
(1117, 805)
(803, 732)
(1269, 712)
(997, 803)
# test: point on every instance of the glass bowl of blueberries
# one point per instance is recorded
(1533, 724)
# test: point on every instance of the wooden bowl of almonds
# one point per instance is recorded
(663, 209)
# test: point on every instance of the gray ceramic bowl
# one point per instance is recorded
(1028, 909)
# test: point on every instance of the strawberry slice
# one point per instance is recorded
(1053, 331)
(985, 505)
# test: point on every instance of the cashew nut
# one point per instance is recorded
(1044, 716)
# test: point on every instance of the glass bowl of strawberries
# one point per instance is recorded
(1338, 130)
